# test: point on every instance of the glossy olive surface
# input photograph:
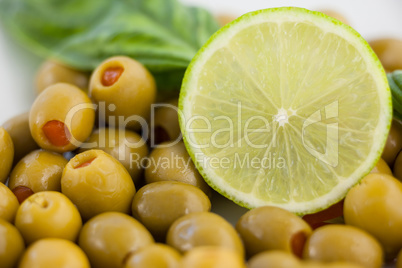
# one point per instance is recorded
(48, 215)
(272, 228)
(11, 245)
(130, 92)
(203, 229)
(96, 182)
(394, 143)
(398, 167)
(65, 104)
(39, 171)
(18, 129)
(173, 163)
(274, 258)
(51, 72)
(335, 242)
(165, 123)
(381, 167)
(157, 205)
(126, 146)
(8, 204)
(52, 253)
(389, 51)
(6, 154)
(212, 257)
(374, 205)
(154, 256)
(110, 237)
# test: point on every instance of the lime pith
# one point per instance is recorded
(291, 87)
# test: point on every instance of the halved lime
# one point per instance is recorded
(285, 107)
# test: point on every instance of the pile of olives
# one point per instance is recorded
(70, 195)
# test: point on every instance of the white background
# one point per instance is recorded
(371, 18)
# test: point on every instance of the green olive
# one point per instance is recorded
(126, 146)
(109, 238)
(6, 155)
(398, 167)
(172, 163)
(224, 18)
(11, 245)
(127, 86)
(394, 143)
(48, 215)
(154, 256)
(333, 242)
(382, 167)
(8, 203)
(165, 123)
(389, 51)
(52, 253)
(18, 129)
(51, 72)
(399, 260)
(157, 205)
(39, 171)
(374, 206)
(274, 258)
(203, 229)
(96, 183)
(212, 257)
(337, 264)
(61, 118)
(272, 228)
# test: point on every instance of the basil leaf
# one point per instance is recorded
(395, 84)
(164, 35)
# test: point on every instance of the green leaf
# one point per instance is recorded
(164, 35)
(395, 84)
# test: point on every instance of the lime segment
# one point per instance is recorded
(285, 107)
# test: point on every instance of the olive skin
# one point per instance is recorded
(54, 252)
(96, 182)
(6, 154)
(394, 143)
(212, 257)
(51, 72)
(381, 167)
(155, 256)
(68, 106)
(165, 123)
(18, 129)
(169, 163)
(337, 264)
(333, 242)
(8, 204)
(203, 229)
(398, 167)
(126, 146)
(380, 214)
(272, 228)
(274, 258)
(11, 245)
(132, 85)
(157, 205)
(48, 215)
(399, 260)
(389, 51)
(110, 237)
(39, 171)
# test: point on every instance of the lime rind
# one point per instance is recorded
(222, 36)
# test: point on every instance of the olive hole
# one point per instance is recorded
(297, 242)
(111, 75)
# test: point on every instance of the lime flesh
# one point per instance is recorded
(285, 107)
